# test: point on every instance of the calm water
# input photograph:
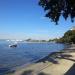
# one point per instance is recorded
(24, 53)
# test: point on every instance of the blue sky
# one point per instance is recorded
(22, 19)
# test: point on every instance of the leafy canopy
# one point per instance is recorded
(69, 37)
(55, 8)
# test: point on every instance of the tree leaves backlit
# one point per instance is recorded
(56, 8)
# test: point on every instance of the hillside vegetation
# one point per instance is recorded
(69, 37)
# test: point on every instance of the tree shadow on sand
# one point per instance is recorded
(50, 58)
(66, 56)
(28, 72)
(53, 57)
(41, 73)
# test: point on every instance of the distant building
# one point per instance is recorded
(73, 28)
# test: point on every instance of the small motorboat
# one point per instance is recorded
(14, 45)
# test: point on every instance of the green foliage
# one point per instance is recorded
(42, 40)
(52, 40)
(69, 37)
(56, 8)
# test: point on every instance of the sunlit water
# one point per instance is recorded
(24, 53)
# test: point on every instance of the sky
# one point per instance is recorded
(22, 19)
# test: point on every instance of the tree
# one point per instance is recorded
(56, 8)
(69, 37)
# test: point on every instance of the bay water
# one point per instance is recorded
(24, 53)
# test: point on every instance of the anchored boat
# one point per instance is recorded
(14, 45)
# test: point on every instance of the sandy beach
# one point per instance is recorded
(57, 63)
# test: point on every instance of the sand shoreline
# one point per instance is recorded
(46, 64)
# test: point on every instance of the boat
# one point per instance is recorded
(14, 45)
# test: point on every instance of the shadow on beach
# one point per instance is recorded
(71, 71)
(28, 72)
(41, 73)
(50, 58)
(31, 72)
(66, 56)
(53, 57)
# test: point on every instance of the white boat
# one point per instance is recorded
(14, 45)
